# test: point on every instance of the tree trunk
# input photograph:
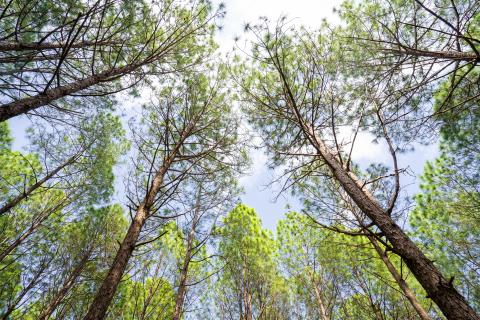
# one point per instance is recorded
(401, 283)
(22, 46)
(104, 296)
(440, 290)
(182, 287)
(377, 311)
(12, 306)
(25, 105)
(321, 305)
(66, 286)
(443, 55)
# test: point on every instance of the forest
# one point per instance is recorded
(125, 133)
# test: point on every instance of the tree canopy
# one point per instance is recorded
(124, 198)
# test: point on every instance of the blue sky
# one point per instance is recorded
(258, 194)
(308, 13)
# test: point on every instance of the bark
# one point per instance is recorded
(105, 294)
(26, 105)
(12, 306)
(66, 286)
(14, 201)
(444, 55)
(375, 308)
(452, 304)
(321, 305)
(21, 46)
(182, 287)
(318, 296)
(399, 280)
(439, 289)
(248, 306)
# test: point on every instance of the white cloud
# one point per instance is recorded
(305, 12)
(364, 149)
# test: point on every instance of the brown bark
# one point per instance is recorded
(26, 105)
(21, 46)
(182, 287)
(452, 304)
(443, 55)
(12, 306)
(27, 192)
(398, 279)
(66, 286)
(375, 308)
(318, 296)
(104, 296)
(321, 305)
(440, 290)
(248, 306)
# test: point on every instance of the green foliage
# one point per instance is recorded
(446, 219)
(250, 274)
(331, 263)
(153, 298)
(5, 136)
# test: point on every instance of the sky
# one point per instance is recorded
(258, 193)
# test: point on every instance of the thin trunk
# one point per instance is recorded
(318, 296)
(393, 271)
(34, 226)
(18, 241)
(248, 306)
(22, 46)
(444, 55)
(321, 306)
(12, 306)
(66, 286)
(401, 283)
(27, 192)
(182, 287)
(376, 310)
